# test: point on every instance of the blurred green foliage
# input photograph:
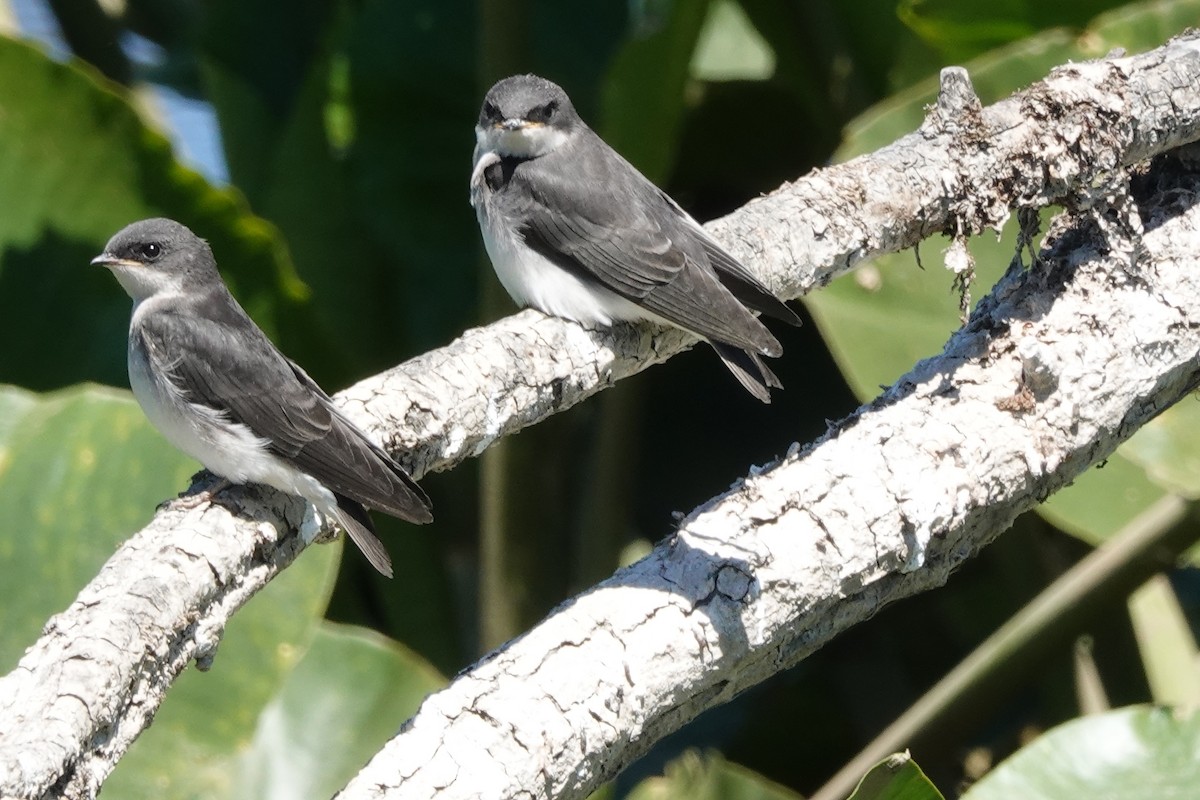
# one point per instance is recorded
(1134, 752)
(346, 129)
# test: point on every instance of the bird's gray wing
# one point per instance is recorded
(219, 358)
(744, 285)
(609, 225)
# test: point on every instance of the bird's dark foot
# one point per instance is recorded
(324, 534)
(187, 502)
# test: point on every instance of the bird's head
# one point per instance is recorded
(525, 117)
(156, 256)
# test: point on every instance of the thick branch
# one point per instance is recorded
(85, 690)
(1062, 140)
(1058, 366)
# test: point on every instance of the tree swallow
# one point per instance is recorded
(216, 387)
(575, 230)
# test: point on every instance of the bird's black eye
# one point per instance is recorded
(490, 112)
(543, 114)
(149, 250)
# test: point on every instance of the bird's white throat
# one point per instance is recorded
(142, 283)
(529, 141)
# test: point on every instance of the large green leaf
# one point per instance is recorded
(693, 776)
(348, 695)
(14, 403)
(1129, 754)
(1168, 449)
(81, 469)
(1103, 500)
(76, 164)
(644, 88)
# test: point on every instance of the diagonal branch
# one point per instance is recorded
(1057, 367)
(85, 690)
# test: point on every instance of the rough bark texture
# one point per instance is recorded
(1055, 369)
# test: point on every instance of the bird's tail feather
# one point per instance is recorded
(749, 369)
(745, 286)
(357, 523)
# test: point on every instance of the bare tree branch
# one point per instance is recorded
(1059, 365)
(762, 576)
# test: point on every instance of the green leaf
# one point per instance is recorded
(1141, 26)
(730, 48)
(348, 695)
(417, 606)
(644, 88)
(1168, 449)
(961, 29)
(1128, 754)
(896, 778)
(693, 776)
(80, 470)
(276, 133)
(885, 316)
(77, 163)
(1165, 643)
(14, 403)
(1102, 500)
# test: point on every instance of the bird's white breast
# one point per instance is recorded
(226, 448)
(532, 279)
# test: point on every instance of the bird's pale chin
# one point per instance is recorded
(529, 140)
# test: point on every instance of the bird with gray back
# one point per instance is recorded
(574, 230)
(216, 387)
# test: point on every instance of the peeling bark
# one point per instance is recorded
(1056, 367)
(1097, 339)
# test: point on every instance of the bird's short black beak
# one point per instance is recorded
(514, 124)
(108, 260)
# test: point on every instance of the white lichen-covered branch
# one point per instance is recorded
(1048, 395)
(1059, 365)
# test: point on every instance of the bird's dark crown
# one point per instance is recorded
(529, 98)
(157, 241)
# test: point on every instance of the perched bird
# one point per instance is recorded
(216, 387)
(574, 230)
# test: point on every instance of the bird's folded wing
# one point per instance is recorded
(745, 286)
(219, 361)
(370, 476)
(623, 242)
